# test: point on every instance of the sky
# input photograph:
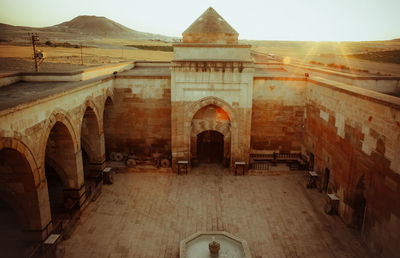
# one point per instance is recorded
(314, 20)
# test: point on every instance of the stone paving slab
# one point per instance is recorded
(148, 214)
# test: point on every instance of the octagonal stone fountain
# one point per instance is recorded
(214, 244)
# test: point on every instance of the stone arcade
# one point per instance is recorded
(213, 102)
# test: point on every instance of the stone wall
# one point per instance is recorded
(277, 114)
(26, 128)
(357, 138)
(139, 120)
(227, 85)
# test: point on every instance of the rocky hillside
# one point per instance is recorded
(80, 28)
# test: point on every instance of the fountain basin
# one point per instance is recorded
(196, 246)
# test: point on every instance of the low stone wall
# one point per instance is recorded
(9, 78)
(384, 84)
(80, 75)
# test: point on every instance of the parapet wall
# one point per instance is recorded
(384, 84)
(74, 76)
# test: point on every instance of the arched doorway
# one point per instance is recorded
(311, 162)
(108, 126)
(325, 184)
(92, 148)
(210, 146)
(211, 136)
(19, 206)
(91, 139)
(61, 170)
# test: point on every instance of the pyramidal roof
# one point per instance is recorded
(210, 22)
(210, 27)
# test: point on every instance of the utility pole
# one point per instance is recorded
(35, 39)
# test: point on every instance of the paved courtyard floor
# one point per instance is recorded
(148, 214)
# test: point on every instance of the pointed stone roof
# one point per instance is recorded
(210, 27)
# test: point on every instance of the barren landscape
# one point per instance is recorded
(105, 41)
(344, 54)
(19, 58)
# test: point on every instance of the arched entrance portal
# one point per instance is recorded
(210, 146)
(211, 135)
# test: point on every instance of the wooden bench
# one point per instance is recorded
(263, 161)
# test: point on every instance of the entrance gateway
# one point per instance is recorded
(210, 69)
(210, 147)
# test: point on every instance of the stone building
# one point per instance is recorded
(216, 101)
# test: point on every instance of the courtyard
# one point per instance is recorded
(148, 214)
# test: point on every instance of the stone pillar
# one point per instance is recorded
(180, 149)
(39, 223)
(76, 194)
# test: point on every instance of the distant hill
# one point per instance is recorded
(101, 26)
(80, 28)
(390, 56)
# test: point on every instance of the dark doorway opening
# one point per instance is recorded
(108, 126)
(360, 204)
(326, 180)
(85, 162)
(311, 164)
(210, 146)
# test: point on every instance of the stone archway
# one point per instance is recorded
(60, 135)
(182, 115)
(60, 167)
(212, 113)
(61, 155)
(107, 125)
(21, 190)
(92, 138)
(63, 165)
(211, 127)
